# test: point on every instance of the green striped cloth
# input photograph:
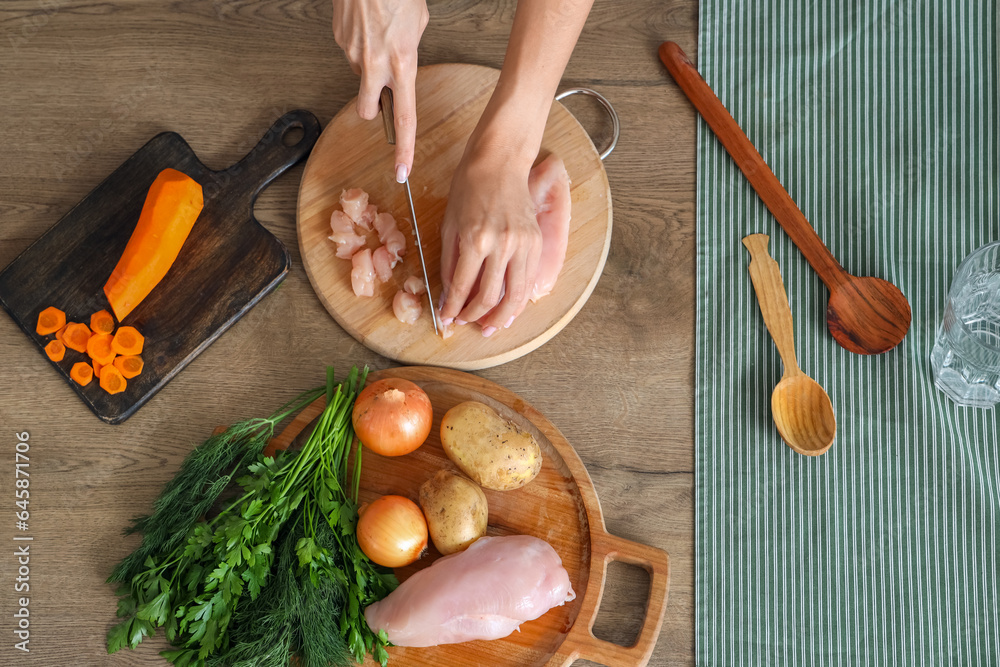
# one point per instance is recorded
(882, 119)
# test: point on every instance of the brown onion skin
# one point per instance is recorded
(392, 531)
(392, 423)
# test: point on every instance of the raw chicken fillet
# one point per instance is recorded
(484, 592)
(548, 185)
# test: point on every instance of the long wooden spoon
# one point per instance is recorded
(865, 315)
(800, 407)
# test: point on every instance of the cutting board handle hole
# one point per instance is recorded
(623, 607)
(294, 135)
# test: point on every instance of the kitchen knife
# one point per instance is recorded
(390, 137)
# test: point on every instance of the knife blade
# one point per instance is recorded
(388, 123)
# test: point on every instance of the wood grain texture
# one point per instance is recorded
(90, 83)
(353, 153)
(560, 506)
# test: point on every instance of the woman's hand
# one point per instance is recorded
(490, 241)
(380, 39)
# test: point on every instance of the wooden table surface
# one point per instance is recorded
(83, 85)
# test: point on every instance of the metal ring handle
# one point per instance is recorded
(615, 124)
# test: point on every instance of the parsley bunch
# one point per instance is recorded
(206, 582)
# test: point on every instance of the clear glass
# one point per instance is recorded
(966, 355)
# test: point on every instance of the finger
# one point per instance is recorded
(511, 302)
(490, 289)
(449, 260)
(521, 273)
(534, 258)
(370, 93)
(405, 103)
(462, 282)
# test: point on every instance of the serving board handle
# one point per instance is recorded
(277, 150)
(580, 643)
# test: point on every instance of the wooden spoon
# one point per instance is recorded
(864, 315)
(800, 407)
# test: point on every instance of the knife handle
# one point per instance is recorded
(388, 116)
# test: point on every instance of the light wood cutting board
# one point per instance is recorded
(559, 506)
(353, 152)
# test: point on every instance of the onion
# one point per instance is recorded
(392, 531)
(392, 417)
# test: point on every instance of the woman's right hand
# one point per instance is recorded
(380, 39)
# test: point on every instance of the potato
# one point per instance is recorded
(488, 448)
(456, 511)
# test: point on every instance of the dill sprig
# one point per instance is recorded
(291, 616)
(198, 484)
(208, 583)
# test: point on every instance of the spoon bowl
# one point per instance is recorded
(867, 315)
(803, 413)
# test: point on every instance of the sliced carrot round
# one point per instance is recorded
(99, 348)
(76, 337)
(97, 367)
(127, 341)
(55, 350)
(50, 321)
(112, 380)
(129, 366)
(82, 373)
(62, 332)
(101, 322)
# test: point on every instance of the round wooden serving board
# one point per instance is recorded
(353, 153)
(560, 506)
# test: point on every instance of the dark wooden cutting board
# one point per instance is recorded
(228, 263)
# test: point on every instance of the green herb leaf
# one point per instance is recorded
(118, 636)
(306, 550)
(155, 610)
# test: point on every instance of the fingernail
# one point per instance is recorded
(446, 321)
(460, 323)
(401, 173)
(509, 322)
(489, 331)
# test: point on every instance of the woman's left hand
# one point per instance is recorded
(490, 239)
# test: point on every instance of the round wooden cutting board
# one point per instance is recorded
(353, 153)
(559, 506)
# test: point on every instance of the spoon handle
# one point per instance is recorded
(753, 166)
(773, 300)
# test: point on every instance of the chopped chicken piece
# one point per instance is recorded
(367, 217)
(406, 307)
(414, 285)
(354, 202)
(390, 236)
(383, 263)
(363, 273)
(340, 224)
(349, 246)
(348, 242)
